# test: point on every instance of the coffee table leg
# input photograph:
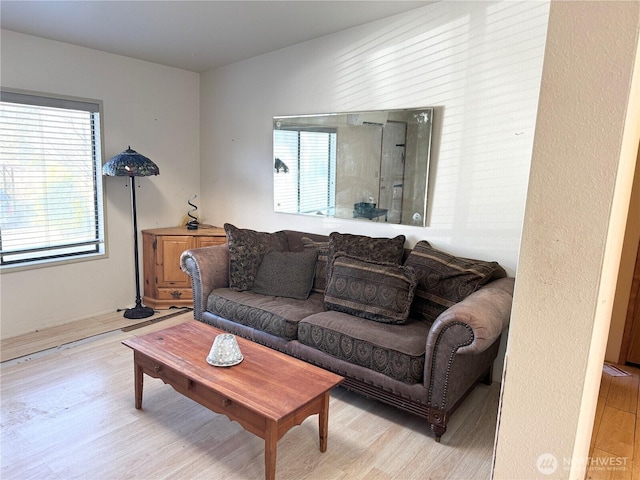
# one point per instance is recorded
(270, 449)
(137, 379)
(323, 422)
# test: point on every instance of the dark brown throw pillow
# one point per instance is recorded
(378, 291)
(286, 274)
(246, 249)
(320, 281)
(387, 250)
(444, 280)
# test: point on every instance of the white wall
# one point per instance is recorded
(481, 61)
(153, 108)
(582, 170)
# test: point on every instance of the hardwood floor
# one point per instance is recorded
(68, 413)
(615, 443)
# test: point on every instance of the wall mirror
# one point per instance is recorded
(372, 166)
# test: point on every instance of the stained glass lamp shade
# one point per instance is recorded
(130, 164)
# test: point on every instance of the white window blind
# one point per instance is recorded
(50, 178)
(308, 186)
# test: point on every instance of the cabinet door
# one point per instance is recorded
(169, 249)
(209, 241)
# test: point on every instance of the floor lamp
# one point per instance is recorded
(131, 164)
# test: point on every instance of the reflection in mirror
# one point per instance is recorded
(369, 165)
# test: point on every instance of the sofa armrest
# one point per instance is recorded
(208, 268)
(486, 312)
(462, 345)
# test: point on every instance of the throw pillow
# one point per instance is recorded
(377, 291)
(444, 280)
(387, 250)
(246, 249)
(286, 274)
(320, 280)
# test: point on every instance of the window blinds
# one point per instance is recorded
(50, 182)
(310, 157)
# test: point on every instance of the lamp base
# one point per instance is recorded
(138, 312)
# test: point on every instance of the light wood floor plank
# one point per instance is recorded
(605, 383)
(83, 393)
(604, 466)
(69, 414)
(616, 432)
(623, 393)
(615, 443)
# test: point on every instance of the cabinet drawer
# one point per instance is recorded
(209, 241)
(174, 294)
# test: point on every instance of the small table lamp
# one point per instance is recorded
(131, 164)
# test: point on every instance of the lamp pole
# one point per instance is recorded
(139, 311)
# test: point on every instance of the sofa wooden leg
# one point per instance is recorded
(438, 431)
(487, 379)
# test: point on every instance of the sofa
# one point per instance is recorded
(415, 328)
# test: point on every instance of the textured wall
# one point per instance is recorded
(479, 61)
(584, 155)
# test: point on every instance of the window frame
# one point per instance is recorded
(99, 206)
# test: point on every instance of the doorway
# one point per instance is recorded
(631, 354)
(392, 163)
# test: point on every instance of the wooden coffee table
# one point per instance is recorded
(267, 393)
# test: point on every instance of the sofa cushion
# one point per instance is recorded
(366, 248)
(246, 249)
(320, 280)
(278, 316)
(444, 280)
(397, 351)
(374, 290)
(286, 274)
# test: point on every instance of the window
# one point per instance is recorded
(50, 179)
(306, 182)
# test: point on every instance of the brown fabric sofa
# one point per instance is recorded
(424, 365)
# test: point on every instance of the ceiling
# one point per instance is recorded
(192, 35)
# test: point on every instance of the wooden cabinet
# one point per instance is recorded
(165, 285)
